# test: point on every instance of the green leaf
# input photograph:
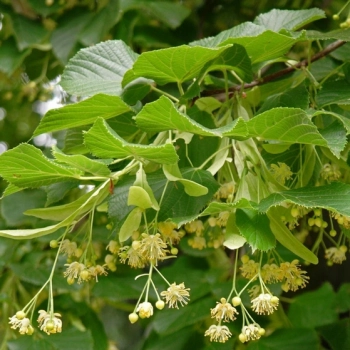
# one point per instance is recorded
(28, 33)
(139, 197)
(334, 92)
(297, 97)
(100, 24)
(105, 143)
(340, 34)
(26, 166)
(286, 124)
(10, 57)
(12, 207)
(136, 90)
(91, 200)
(254, 227)
(172, 173)
(333, 197)
(288, 339)
(82, 113)
(175, 64)
(218, 207)
(82, 163)
(171, 320)
(311, 310)
(72, 339)
(337, 334)
(234, 58)
(172, 14)
(141, 181)
(65, 37)
(130, 225)
(286, 238)
(260, 44)
(343, 119)
(335, 135)
(287, 19)
(162, 115)
(98, 69)
(56, 192)
(61, 212)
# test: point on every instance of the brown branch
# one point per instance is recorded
(281, 73)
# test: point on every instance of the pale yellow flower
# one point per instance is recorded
(76, 270)
(223, 311)
(97, 270)
(195, 226)
(251, 332)
(197, 242)
(271, 273)
(113, 247)
(281, 172)
(336, 255)
(22, 323)
(49, 323)
(176, 293)
(249, 269)
(68, 247)
(218, 333)
(293, 277)
(152, 247)
(145, 309)
(265, 304)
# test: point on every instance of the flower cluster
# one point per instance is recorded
(82, 273)
(288, 273)
(281, 172)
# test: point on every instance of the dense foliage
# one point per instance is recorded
(197, 188)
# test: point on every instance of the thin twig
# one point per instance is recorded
(304, 63)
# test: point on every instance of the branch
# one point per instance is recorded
(281, 73)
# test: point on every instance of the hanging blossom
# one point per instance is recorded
(218, 333)
(223, 311)
(176, 293)
(336, 255)
(265, 304)
(49, 322)
(251, 332)
(22, 323)
(145, 310)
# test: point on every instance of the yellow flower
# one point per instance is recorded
(336, 255)
(195, 226)
(145, 310)
(271, 273)
(218, 333)
(152, 247)
(94, 271)
(281, 172)
(224, 311)
(265, 304)
(293, 277)
(176, 293)
(249, 269)
(197, 242)
(113, 247)
(68, 247)
(251, 332)
(76, 270)
(49, 323)
(22, 323)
